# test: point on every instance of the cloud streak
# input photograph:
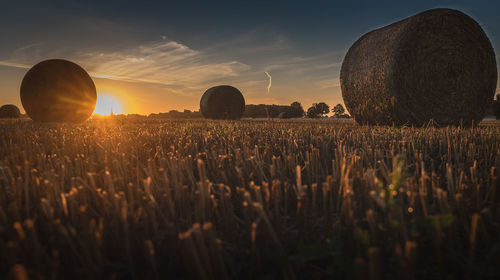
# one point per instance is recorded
(270, 82)
(186, 72)
(328, 83)
(165, 63)
(14, 64)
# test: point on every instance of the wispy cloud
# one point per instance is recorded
(14, 64)
(328, 83)
(186, 72)
(300, 64)
(166, 63)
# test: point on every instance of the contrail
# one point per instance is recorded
(270, 81)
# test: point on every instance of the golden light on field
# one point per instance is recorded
(107, 104)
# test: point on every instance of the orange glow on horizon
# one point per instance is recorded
(107, 104)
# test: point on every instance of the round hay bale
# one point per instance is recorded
(437, 65)
(222, 102)
(58, 90)
(9, 111)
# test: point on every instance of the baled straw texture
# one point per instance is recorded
(437, 65)
(58, 90)
(9, 111)
(222, 102)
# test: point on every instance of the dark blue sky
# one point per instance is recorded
(145, 51)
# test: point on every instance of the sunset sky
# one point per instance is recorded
(162, 55)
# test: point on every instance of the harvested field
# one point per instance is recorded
(122, 199)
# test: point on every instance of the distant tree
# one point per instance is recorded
(318, 110)
(322, 108)
(296, 109)
(264, 111)
(496, 106)
(338, 110)
(312, 112)
(254, 111)
(273, 111)
(343, 116)
(174, 114)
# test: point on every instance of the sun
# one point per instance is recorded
(107, 104)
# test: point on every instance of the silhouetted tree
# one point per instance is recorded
(263, 111)
(318, 110)
(174, 114)
(338, 110)
(312, 112)
(496, 106)
(322, 108)
(273, 111)
(297, 109)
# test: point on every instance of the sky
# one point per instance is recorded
(156, 56)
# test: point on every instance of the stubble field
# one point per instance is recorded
(153, 199)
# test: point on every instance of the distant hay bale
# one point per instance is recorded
(222, 102)
(58, 90)
(9, 111)
(437, 65)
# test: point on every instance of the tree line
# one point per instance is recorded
(294, 110)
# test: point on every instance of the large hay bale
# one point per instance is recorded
(9, 111)
(58, 90)
(437, 65)
(222, 102)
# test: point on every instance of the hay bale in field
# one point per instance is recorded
(9, 111)
(222, 102)
(437, 65)
(58, 90)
